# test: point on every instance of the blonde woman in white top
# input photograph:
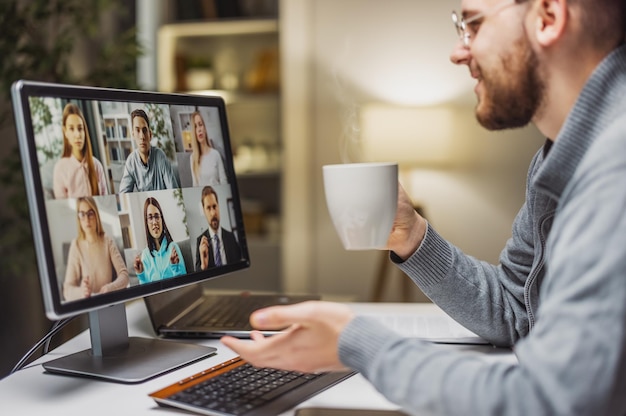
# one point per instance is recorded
(77, 173)
(207, 167)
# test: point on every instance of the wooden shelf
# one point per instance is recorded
(236, 49)
(218, 28)
(182, 38)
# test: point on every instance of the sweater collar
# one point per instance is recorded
(596, 107)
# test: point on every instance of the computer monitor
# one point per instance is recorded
(127, 191)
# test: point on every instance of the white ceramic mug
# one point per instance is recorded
(362, 199)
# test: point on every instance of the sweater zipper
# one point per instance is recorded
(535, 272)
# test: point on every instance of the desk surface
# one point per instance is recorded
(31, 391)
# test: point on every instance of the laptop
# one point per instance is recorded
(192, 312)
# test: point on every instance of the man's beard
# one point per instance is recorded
(513, 94)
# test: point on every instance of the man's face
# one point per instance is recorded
(500, 57)
(142, 135)
(211, 211)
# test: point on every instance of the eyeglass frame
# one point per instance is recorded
(90, 214)
(152, 218)
(460, 24)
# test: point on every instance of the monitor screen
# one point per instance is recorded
(131, 193)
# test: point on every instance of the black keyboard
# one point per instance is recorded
(233, 311)
(229, 312)
(237, 388)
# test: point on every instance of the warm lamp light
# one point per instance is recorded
(412, 136)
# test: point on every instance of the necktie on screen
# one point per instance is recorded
(218, 251)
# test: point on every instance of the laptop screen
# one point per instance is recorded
(131, 192)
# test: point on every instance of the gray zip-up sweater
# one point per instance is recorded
(157, 174)
(558, 294)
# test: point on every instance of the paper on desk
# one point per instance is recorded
(439, 329)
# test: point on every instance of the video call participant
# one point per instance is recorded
(216, 246)
(162, 258)
(93, 257)
(558, 294)
(78, 173)
(207, 167)
(147, 168)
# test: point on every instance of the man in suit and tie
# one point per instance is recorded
(215, 246)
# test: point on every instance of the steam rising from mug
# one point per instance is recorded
(362, 199)
(350, 148)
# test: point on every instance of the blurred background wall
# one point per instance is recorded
(340, 62)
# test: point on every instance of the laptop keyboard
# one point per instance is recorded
(229, 311)
(233, 311)
(237, 388)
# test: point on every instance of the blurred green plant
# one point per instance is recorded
(48, 149)
(180, 202)
(160, 130)
(40, 40)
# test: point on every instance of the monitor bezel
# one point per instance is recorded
(54, 306)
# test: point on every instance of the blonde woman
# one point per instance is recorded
(207, 167)
(77, 173)
(93, 257)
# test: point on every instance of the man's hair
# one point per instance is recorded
(140, 113)
(208, 190)
(603, 21)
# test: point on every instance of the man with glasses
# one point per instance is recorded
(558, 296)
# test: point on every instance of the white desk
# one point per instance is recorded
(33, 392)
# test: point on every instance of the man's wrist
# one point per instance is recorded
(413, 240)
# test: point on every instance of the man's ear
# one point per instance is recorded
(550, 19)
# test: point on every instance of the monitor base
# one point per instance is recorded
(141, 360)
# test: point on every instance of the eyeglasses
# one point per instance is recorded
(153, 218)
(467, 28)
(91, 214)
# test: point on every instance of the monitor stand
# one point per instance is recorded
(114, 356)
